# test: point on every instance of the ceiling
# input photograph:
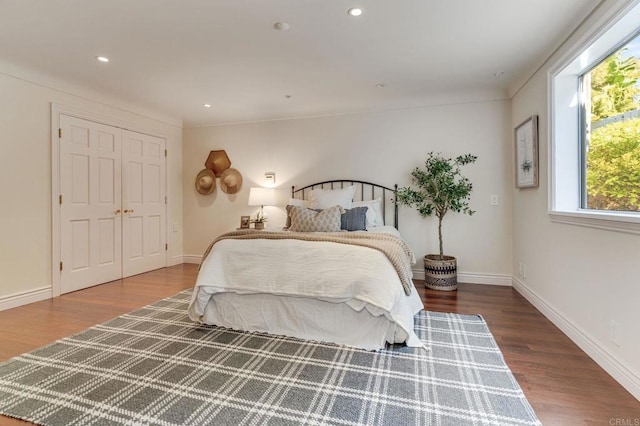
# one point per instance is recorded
(173, 56)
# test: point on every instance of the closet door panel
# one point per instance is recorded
(91, 223)
(144, 221)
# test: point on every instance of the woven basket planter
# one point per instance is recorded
(440, 274)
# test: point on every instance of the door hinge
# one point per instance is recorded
(165, 152)
(166, 200)
(166, 247)
(60, 199)
(59, 133)
(60, 266)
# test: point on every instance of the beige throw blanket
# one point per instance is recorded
(396, 250)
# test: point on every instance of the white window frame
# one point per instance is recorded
(565, 150)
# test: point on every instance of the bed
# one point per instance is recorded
(347, 287)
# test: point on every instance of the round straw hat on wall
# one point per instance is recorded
(205, 182)
(230, 181)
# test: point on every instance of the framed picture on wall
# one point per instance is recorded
(244, 222)
(526, 153)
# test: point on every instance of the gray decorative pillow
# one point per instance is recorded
(307, 220)
(354, 219)
(289, 207)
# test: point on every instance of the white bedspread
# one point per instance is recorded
(318, 272)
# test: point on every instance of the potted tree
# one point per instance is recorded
(437, 188)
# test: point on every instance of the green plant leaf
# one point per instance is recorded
(439, 187)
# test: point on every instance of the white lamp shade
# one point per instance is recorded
(262, 197)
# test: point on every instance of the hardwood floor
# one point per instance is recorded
(564, 386)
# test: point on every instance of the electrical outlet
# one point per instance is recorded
(494, 200)
(614, 331)
(175, 227)
(522, 270)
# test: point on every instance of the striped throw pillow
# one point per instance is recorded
(354, 219)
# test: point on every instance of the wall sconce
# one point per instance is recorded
(270, 178)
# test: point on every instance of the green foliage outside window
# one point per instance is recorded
(613, 158)
(613, 86)
(613, 177)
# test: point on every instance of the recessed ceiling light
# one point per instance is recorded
(498, 73)
(355, 11)
(102, 59)
(288, 96)
(281, 26)
(380, 85)
(207, 105)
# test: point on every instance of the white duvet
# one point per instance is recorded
(307, 289)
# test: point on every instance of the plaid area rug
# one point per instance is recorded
(155, 367)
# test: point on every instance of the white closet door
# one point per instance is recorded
(91, 222)
(143, 200)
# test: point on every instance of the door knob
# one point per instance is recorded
(117, 212)
(128, 211)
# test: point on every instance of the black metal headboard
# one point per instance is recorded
(365, 191)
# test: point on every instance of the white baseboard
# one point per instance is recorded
(473, 278)
(25, 297)
(600, 354)
(489, 279)
(191, 258)
(176, 260)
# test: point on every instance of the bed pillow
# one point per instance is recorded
(307, 220)
(290, 206)
(354, 219)
(374, 213)
(298, 202)
(325, 198)
(294, 202)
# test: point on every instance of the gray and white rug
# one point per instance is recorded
(155, 367)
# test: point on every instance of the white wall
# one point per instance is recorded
(25, 181)
(581, 278)
(381, 147)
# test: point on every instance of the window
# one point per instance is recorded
(594, 156)
(610, 132)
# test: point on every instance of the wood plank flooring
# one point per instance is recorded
(564, 386)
